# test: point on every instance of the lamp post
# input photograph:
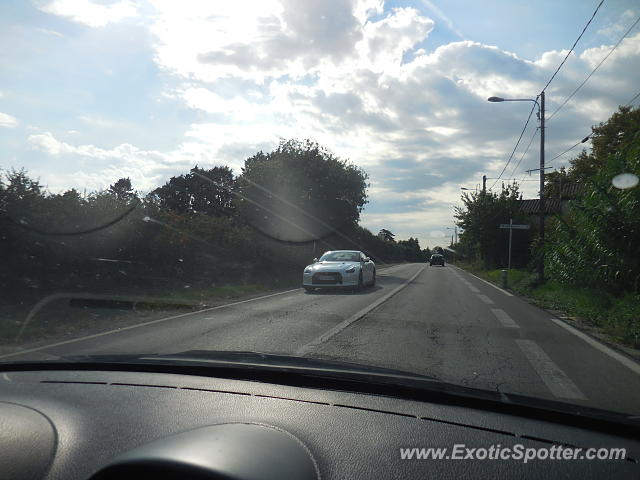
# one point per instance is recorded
(541, 118)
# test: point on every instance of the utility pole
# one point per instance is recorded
(541, 265)
(484, 184)
(542, 168)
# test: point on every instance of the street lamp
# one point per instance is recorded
(541, 118)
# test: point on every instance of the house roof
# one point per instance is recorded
(532, 206)
(571, 190)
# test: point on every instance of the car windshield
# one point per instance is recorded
(340, 257)
(170, 171)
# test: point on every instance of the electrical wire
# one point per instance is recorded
(573, 46)
(588, 137)
(535, 133)
(570, 148)
(633, 99)
(516, 147)
(594, 70)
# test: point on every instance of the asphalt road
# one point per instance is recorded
(442, 322)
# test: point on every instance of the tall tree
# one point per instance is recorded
(386, 235)
(208, 192)
(300, 192)
(122, 189)
(596, 245)
(480, 218)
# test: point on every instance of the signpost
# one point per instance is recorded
(511, 226)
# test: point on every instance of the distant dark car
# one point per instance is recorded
(436, 259)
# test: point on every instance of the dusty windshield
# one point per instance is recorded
(170, 171)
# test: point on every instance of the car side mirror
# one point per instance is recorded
(366, 259)
(315, 260)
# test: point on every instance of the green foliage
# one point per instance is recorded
(202, 191)
(597, 244)
(300, 192)
(480, 218)
(387, 235)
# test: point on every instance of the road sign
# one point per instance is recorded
(511, 227)
(515, 226)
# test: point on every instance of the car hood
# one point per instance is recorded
(332, 266)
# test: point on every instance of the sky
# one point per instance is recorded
(93, 91)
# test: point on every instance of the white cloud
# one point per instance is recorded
(8, 121)
(50, 32)
(91, 13)
(360, 81)
(146, 168)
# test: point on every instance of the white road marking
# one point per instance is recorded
(354, 318)
(485, 299)
(488, 283)
(627, 362)
(504, 318)
(473, 289)
(555, 379)
(138, 325)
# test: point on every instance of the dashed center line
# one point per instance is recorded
(354, 318)
(554, 378)
(473, 289)
(485, 299)
(504, 318)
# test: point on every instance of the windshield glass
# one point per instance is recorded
(340, 257)
(170, 170)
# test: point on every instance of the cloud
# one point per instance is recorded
(8, 121)
(54, 33)
(91, 13)
(614, 30)
(146, 168)
(357, 78)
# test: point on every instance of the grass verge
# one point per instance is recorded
(75, 316)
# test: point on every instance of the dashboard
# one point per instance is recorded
(66, 424)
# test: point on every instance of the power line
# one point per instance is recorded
(570, 148)
(515, 148)
(633, 99)
(545, 87)
(589, 136)
(535, 132)
(594, 70)
(574, 46)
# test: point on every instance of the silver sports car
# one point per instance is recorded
(340, 268)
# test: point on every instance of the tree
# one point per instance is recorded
(209, 192)
(596, 244)
(480, 219)
(616, 134)
(412, 250)
(386, 235)
(122, 189)
(300, 192)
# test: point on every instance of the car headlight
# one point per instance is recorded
(308, 269)
(351, 269)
